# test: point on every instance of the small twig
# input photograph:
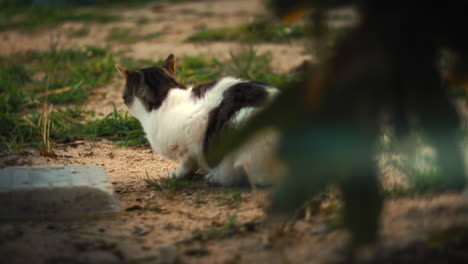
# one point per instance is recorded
(58, 91)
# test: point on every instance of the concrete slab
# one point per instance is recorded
(55, 191)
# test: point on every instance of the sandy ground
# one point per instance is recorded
(200, 224)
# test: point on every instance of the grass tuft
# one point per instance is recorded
(170, 184)
(260, 31)
(127, 35)
(117, 127)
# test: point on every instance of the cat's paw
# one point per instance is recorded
(215, 179)
(209, 177)
(176, 174)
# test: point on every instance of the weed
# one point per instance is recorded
(44, 126)
(127, 35)
(39, 128)
(64, 124)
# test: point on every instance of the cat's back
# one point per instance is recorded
(230, 101)
(234, 92)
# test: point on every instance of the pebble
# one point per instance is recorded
(141, 230)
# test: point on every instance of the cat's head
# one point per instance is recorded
(150, 85)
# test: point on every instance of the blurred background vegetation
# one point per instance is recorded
(67, 77)
(404, 62)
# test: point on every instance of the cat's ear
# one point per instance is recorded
(169, 64)
(125, 72)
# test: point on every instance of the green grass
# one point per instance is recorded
(133, 4)
(71, 75)
(21, 129)
(117, 127)
(30, 18)
(170, 184)
(261, 31)
(127, 35)
(18, 130)
(247, 64)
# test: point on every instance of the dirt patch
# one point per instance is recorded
(196, 224)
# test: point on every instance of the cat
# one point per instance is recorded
(181, 122)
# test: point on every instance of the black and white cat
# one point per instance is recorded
(181, 122)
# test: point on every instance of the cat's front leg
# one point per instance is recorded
(186, 168)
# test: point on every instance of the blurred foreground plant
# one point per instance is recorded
(330, 121)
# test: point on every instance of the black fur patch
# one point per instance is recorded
(238, 96)
(158, 81)
(200, 90)
(131, 87)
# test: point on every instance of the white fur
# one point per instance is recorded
(177, 129)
